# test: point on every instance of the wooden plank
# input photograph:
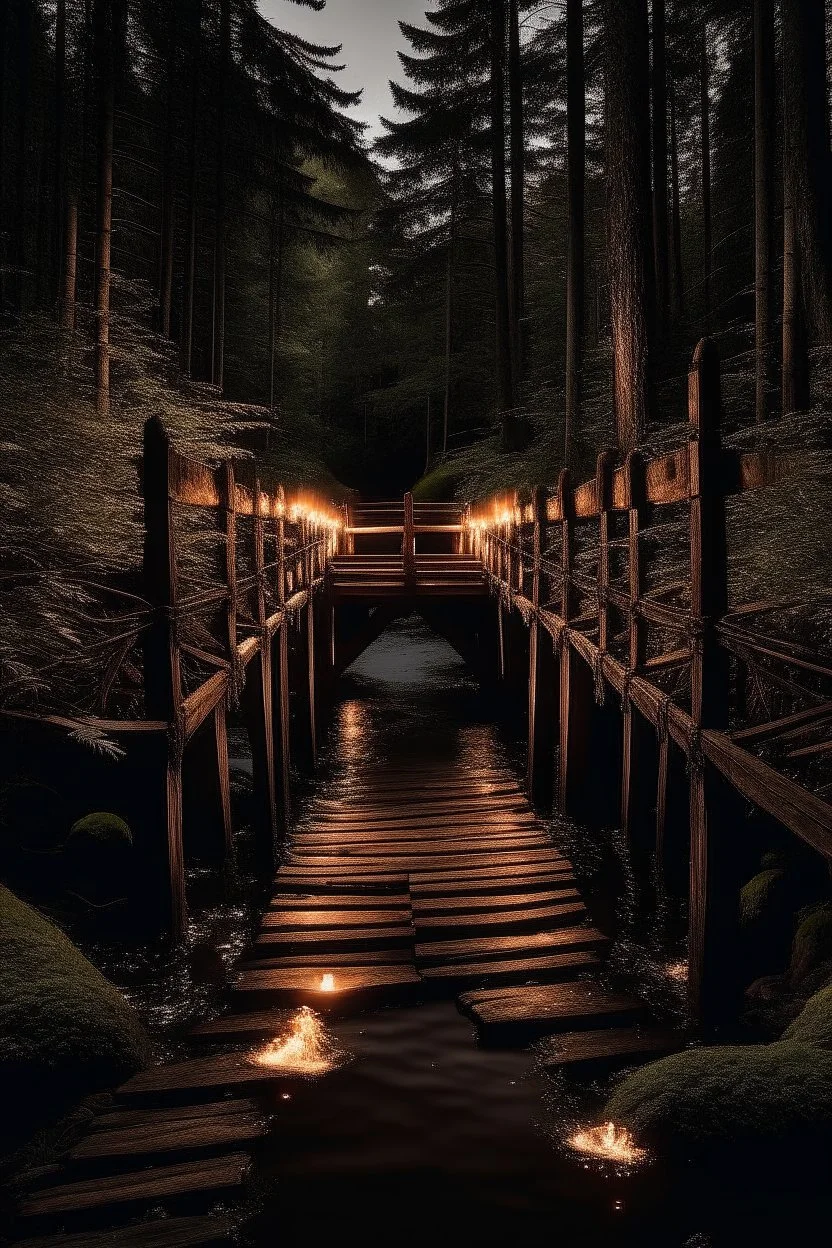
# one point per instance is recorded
(561, 940)
(383, 956)
(303, 878)
(286, 920)
(354, 986)
(271, 942)
(590, 1051)
(185, 1135)
(340, 901)
(472, 847)
(518, 1013)
(170, 1115)
(440, 884)
(209, 1178)
(225, 1072)
(368, 865)
(408, 838)
(471, 903)
(543, 968)
(502, 920)
(362, 813)
(196, 1232)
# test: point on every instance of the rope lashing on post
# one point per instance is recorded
(626, 700)
(599, 685)
(662, 714)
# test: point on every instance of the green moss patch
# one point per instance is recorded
(774, 1093)
(814, 1023)
(102, 828)
(762, 892)
(439, 486)
(65, 1030)
(812, 944)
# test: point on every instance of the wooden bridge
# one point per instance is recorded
(432, 878)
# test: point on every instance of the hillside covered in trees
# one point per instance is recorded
(511, 276)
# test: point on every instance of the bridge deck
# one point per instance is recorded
(384, 576)
(429, 879)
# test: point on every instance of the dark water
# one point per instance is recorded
(425, 1137)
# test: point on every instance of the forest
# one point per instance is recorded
(511, 277)
(540, 749)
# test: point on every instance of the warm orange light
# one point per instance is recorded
(608, 1142)
(677, 971)
(327, 983)
(305, 1049)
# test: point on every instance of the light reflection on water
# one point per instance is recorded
(426, 1137)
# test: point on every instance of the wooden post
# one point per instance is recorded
(603, 489)
(409, 546)
(576, 684)
(258, 705)
(282, 673)
(635, 491)
(310, 642)
(714, 886)
(163, 687)
(540, 674)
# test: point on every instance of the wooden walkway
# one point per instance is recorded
(400, 884)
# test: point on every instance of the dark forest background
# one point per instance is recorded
(511, 278)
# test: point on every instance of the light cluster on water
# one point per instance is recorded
(306, 1048)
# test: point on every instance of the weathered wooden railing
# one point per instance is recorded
(250, 649)
(674, 659)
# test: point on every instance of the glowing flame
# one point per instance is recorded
(327, 983)
(305, 1049)
(608, 1142)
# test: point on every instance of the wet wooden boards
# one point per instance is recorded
(586, 1052)
(517, 1013)
(205, 1180)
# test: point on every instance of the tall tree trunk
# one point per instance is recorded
(705, 143)
(167, 223)
(21, 225)
(106, 23)
(661, 258)
(764, 123)
(796, 396)
(59, 171)
(807, 156)
(275, 291)
(518, 191)
(187, 343)
(70, 262)
(629, 216)
(4, 29)
(505, 372)
(449, 316)
(676, 217)
(218, 368)
(576, 219)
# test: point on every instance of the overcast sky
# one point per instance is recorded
(369, 31)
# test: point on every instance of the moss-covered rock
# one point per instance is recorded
(65, 1030)
(812, 944)
(762, 893)
(101, 828)
(813, 1024)
(774, 1094)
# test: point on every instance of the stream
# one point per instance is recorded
(424, 1136)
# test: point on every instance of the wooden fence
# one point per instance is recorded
(673, 662)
